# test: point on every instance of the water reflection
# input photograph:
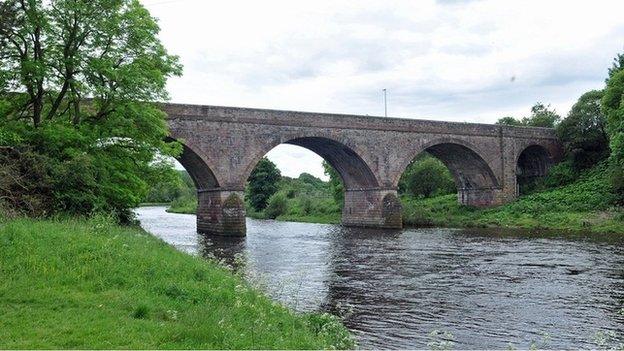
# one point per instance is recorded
(488, 288)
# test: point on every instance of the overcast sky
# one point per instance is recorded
(453, 60)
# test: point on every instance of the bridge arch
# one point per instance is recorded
(469, 169)
(365, 202)
(352, 168)
(532, 163)
(197, 166)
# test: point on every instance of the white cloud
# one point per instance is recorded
(445, 60)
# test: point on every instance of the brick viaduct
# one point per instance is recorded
(222, 145)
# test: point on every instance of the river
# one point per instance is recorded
(395, 289)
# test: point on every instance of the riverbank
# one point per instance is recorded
(584, 205)
(91, 284)
(446, 212)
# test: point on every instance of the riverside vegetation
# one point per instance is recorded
(586, 203)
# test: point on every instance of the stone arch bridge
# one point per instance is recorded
(222, 145)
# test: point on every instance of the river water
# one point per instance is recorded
(395, 289)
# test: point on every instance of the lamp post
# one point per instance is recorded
(385, 104)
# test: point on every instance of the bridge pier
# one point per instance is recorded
(374, 208)
(221, 212)
(485, 197)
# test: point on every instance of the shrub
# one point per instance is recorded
(277, 205)
(560, 174)
(426, 177)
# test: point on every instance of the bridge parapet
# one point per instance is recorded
(346, 121)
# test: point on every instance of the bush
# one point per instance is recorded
(277, 205)
(560, 174)
(427, 176)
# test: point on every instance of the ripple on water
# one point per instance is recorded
(488, 288)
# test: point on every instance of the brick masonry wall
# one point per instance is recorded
(372, 208)
(221, 213)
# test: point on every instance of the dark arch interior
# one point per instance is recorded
(533, 163)
(353, 170)
(197, 169)
(469, 170)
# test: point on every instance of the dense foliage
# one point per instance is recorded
(78, 132)
(583, 132)
(262, 183)
(335, 183)
(426, 176)
(613, 108)
(541, 116)
(167, 190)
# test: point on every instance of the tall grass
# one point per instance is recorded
(90, 284)
(586, 204)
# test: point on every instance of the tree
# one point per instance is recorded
(613, 108)
(583, 132)
(335, 183)
(263, 183)
(426, 176)
(276, 205)
(541, 116)
(509, 121)
(310, 179)
(618, 65)
(77, 84)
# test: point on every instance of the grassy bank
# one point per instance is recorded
(90, 284)
(303, 199)
(586, 204)
(582, 205)
(324, 218)
(294, 213)
(185, 204)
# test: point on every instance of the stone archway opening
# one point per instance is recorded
(362, 198)
(532, 165)
(442, 163)
(194, 176)
(289, 183)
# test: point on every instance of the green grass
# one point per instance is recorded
(582, 205)
(148, 204)
(325, 218)
(90, 284)
(320, 209)
(184, 204)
